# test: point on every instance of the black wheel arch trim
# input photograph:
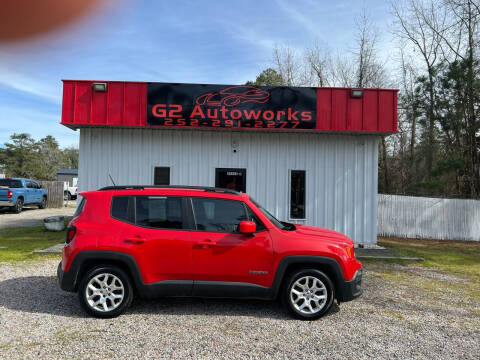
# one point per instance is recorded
(326, 264)
(70, 280)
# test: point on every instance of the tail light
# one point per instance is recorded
(71, 231)
(9, 194)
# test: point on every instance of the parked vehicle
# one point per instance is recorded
(17, 192)
(70, 192)
(204, 242)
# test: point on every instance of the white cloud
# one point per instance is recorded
(24, 83)
(36, 122)
(298, 16)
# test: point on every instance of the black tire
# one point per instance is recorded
(43, 204)
(17, 209)
(288, 298)
(120, 307)
(67, 196)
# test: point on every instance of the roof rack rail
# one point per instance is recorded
(141, 187)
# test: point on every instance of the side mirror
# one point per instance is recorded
(247, 227)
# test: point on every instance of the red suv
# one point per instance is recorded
(203, 242)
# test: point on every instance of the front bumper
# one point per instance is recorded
(353, 288)
(6, 203)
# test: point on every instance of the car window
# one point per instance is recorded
(123, 208)
(255, 219)
(80, 207)
(218, 215)
(35, 185)
(163, 212)
(11, 183)
(29, 184)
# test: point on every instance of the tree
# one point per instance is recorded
(268, 77)
(19, 155)
(71, 157)
(411, 25)
(289, 65)
(50, 158)
(24, 157)
(320, 65)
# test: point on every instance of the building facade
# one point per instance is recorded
(68, 175)
(320, 171)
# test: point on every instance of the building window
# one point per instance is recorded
(297, 194)
(228, 178)
(161, 176)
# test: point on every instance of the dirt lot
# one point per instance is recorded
(30, 216)
(407, 311)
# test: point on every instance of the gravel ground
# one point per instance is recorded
(31, 216)
(391, 320)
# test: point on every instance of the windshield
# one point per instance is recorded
(273, 219)
(11, 183)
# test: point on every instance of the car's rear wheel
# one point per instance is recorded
(43, 204)
(105, 292)
(308, 294)
(17, 208)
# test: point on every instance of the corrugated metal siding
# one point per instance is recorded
(341, 170)
(123, 104)
(376, 111)
(429, 218)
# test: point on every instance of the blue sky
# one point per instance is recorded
(200, 41)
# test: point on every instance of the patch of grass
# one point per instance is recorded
(458, 257)
(454, 264)
(21, 242)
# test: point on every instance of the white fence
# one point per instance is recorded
(432, 218)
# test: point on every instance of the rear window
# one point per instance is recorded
(11, 183)
(80, 208)
(161, 212)
(123, 208)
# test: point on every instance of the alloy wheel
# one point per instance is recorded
(104, 292)
(308, 295)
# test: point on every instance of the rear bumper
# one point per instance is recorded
(6, 203)
(353, 288)
(66, 279)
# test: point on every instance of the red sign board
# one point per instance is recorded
(241, 107)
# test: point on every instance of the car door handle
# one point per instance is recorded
(206, 242)
(134, 240)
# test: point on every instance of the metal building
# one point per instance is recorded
(309, 155)
(67, 175)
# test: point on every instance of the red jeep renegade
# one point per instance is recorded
(204, 242)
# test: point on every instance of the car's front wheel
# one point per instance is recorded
(308, 294)
(105, 292)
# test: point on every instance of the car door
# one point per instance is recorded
(37, 192)
(225, 262)
(29, 192)
(155, 231)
